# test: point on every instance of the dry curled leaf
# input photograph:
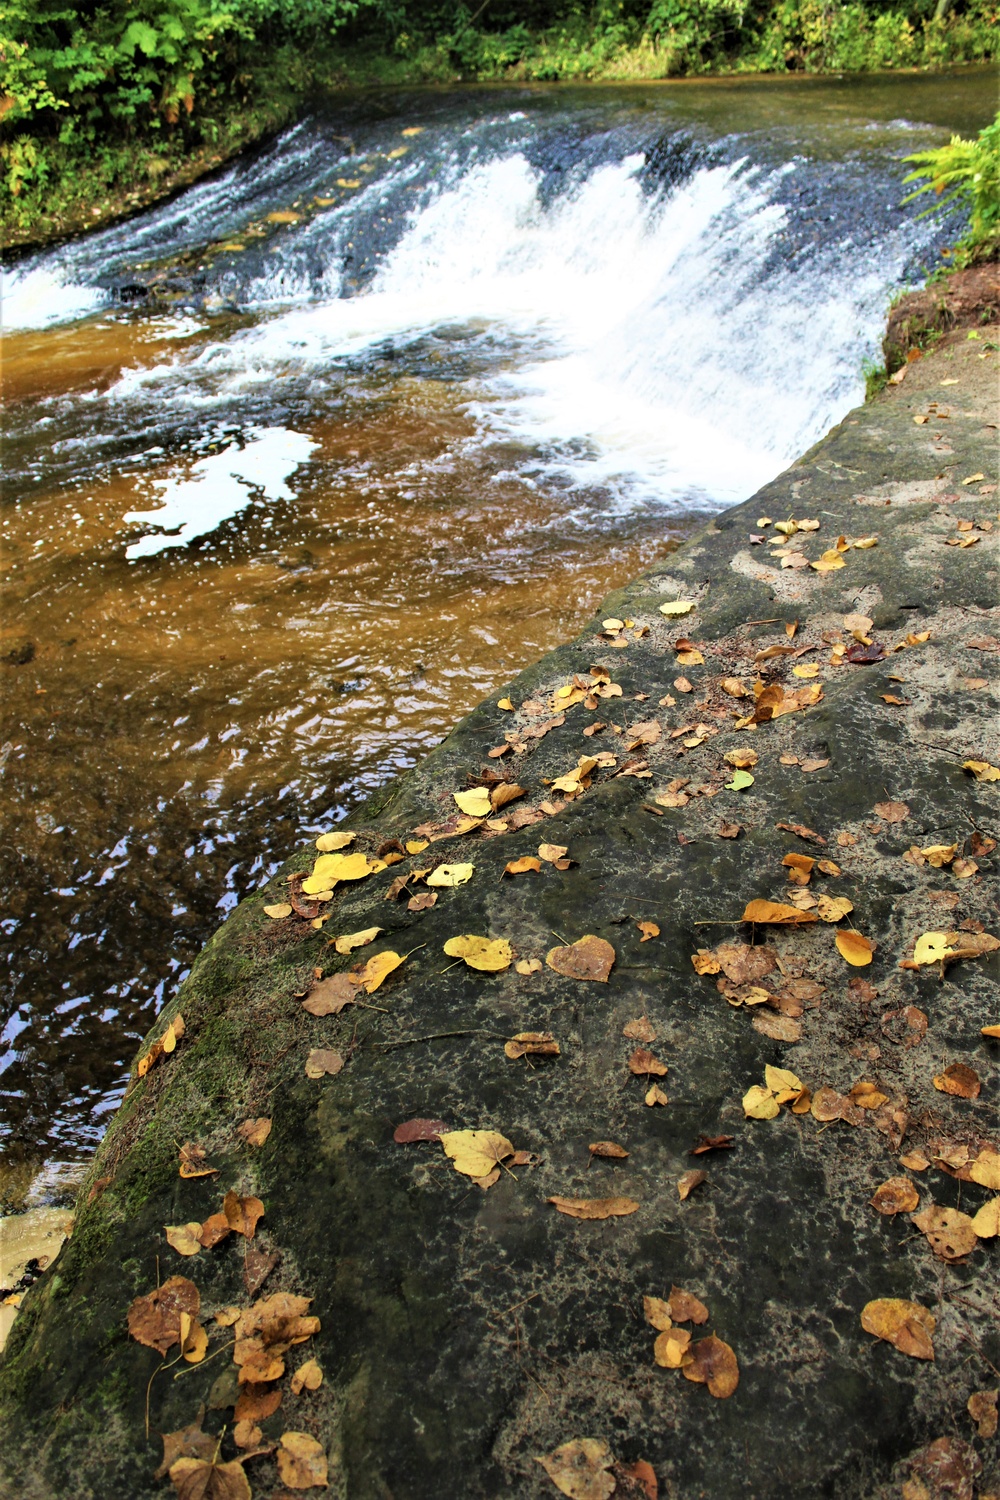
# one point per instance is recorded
(685, 1307)
(301, 1461)
(687, 1183)
(184, 1238)
(986, 1222)
(419, 1130)
(714, 1364)
(528, 966)
(277, 911)
(649, 930)
(892, 812)
(982, 1408)
(191, 1162)
(833, 908)
(594, 1208)
(654, 1095)
(643, 1064)
(589, 957)
(639, 1030)
(896, 1196)
(242, 1214)
(448, 876)
(327, 843)
(775, 912)
(608, 1149)
(186, 1442)
(522, 866)
(532, 1044)
(670, 1351)
(579, 1469)
(906, 1325)
(352, 940)
(422, 901)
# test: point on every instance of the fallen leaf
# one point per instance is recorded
(982, 1408)
(419, 1130)
(594, 1208)
(986, 1223)
(330, 995)
(322, 1061)
(186, 1442)
(184, 1238)
(775, 912)
(760, 1104)
(778, 1028)
(490, 957)
(799, 867)
(192, 1162)
(711, 1143)
(476, 803)
(741, 759)
(246, 1434)
(423, 901)
(207, 1479)
(670, 1351)
(683, 685)
(867, 1096)
(654, 1095)
(475, 1153)
(982, 770)
(256, 1403)
(242, 1214)
(939, 855)
(714, 1364)
(739, 781)
(579, 1469)
(657, 1313)
(916, 1161)
(528, 966)
(906, 1325)
(892, 812)
(687, 1183)
(643, 1064)
(730, 830)
(985, 1169)
(215, 1229)
(522, 866)
(733, 687)
(352, 940)
(932, 948)
(162, 1048)
(255, 1132)
(639, 1030)
(327, 843)
(301, 1461)
(608, 1149)
(330, 869)
(649, 930)
(276, 912)
(155, 1320)
(377, 969)
(896, 1196)
(960, 1080)
(589, 957)
(854, 948)
(802, 832)
(448, 876)
(949, 1232)
(257, 1267)
(678, 606)
(308, 1377)
(532, 1044)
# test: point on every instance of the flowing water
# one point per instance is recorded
(304, 463)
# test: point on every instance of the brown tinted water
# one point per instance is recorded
(176, 722)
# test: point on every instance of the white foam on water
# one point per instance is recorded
(42, 296)
(652, 346)
(195, 502)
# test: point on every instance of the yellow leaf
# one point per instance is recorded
(475, 803)
(352, 940)
(301, 1461)
(657, 1313)
(780, 1078)
(692, 658)
(329, 869)
(527, 864)
(551, 853)
(413, 130)
(982, 770)
(377, 969)
(776, 912)
(932, 947)
(594, 1208)
(476, 1152)
(986, 1168)
(450, 875)
(328, 842)
(416, 846)
(308, 1377)
(506, 705)
(349, 182)
(579, 1469)
(480, 952)
(808, 670)
(677, 607)
(742, 759)
(655, 1095)
(853, 948)
(832, 908)
(528, 965)
(939, 855)
(183, 1238)
(671, 1347)
(278, 910)
(828, 562)
(284, 216)
(760, 1104)
(986, 1223)
(907, 1325)
(861, 543)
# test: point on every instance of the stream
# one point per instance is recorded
(304, 463)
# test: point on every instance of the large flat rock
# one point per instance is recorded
(467, 1330)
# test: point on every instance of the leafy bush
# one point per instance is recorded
(967, 174)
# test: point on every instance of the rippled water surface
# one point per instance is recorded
(285, 497)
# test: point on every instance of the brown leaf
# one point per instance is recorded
(594, 1208)
(255, 1132)
(802, 832)
(322, 1061)
(247, 1434)
(799, 867)
(948, 1231)
(256, 1402)
(944, 1470)
(907, 1325)
(184, 1238)
(777, 913)
(779, 1028)
(419, 1130)
(713, 1363)
(329, 996)
(589, 957)
(423, 901)
(242, 1214)
(960, 1080)
(649, 930)
(982, 1408)
(687, 1183)
(532, 1044)
(635, 1481)
(215, 1229)
(670, 1350)
(711, 1143)
(155, 1320)
(186, 1442)
(308, 1377)
(191, 1160)
(205, 1479)
(301, 1461)
(609, 1149)
(507, 791)
(643, 1064)
(257, 1267)
(896, 1196)
(745, 963)
(685, 1307)
(579, 1469)
(654, 1095)
(730, 830)
(657, 1313)
(892, 812)
(639, 1030)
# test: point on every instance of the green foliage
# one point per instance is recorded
(966, 174)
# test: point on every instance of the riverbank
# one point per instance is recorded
(817, 737)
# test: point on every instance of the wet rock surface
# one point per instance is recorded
(467, 1330)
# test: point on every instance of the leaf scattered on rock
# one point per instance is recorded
(191, 1160)
(776, 913)
(986, 1222)
(155, 1320)
(706, 1143)
(654, 1095)
(522, 866)
(950, 1233)
(959, 1079)
(643, 1064)
(447, 876)
(209, 1479)
(532, 1044)
(908, 1326)
(714, 1364)
(589, 957)
(323, 1061)
(163, 1047)
(639, 1030)
(475, 1153)
(896, 1196)
(255, 1132)
(277, 911)
(352, 940)
(579, 1469)
(892, 812)
(982, 1408)
(301, 1461)
(594, 1208)
(608, 1149)
(833, 908)
(419, 1130)
(242, 1214)
(687, 1183)
(327, 843)
(649, 931)
(854, 948)
(670, 1351)
(308, 1377)
(488, 956)
(184, 1238)
(529, 966)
